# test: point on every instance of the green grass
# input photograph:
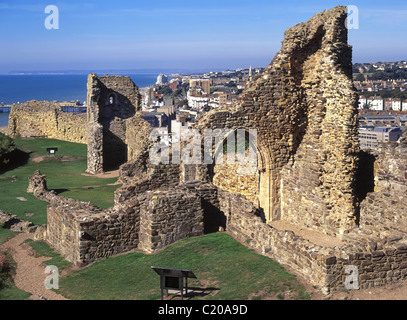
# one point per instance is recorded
(64, 177)
(6, 234)
(42, 249)
(11, 292)
(223, 266)
(8, 290)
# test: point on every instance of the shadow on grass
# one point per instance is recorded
(13, 160)
(193, 292)
(59, 191)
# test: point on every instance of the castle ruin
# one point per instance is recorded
(304, 108)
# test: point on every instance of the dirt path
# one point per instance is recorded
(30, 274)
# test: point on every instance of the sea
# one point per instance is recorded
(69, 87)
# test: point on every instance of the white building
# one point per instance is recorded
(362, 101)
(197, 102)
(404, 105)
(376, 103)
(161, 79)
(396, 104)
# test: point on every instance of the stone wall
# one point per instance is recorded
(110, 100)
(46, 119)
(304, 108)
(140, 218)
(383, 212)
(377, 263)
(169, 216)
(138, 145)
(228, 177)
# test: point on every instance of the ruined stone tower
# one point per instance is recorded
(304, 108)
(111, 100)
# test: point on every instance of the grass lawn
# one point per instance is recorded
(42, 249)
(63, 176)
(224, 267)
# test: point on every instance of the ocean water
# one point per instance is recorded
(4, 119)
(22, 88)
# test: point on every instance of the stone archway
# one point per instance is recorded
(255, 184)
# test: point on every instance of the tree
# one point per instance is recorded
(360, 77)
(182, 103)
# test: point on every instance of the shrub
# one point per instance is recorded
(6, 144)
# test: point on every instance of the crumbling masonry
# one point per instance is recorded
(304, 108)
(110, 101)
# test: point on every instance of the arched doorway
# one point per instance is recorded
(252, 179)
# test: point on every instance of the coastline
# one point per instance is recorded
(23, 88)
(4, 130)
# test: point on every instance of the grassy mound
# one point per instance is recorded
(225, 270)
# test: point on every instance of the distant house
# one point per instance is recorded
(404, 105)
(204, 84)
(396, 104)
(388, 104)
(376, 103)
(362, 102)
(174, 84)
(156, 119)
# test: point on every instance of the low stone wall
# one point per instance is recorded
(147, 220)
(377, 263)
(170, 216)
(246, 225)
(14, 223)
(46, 119)
(383, 263)
(152, 220)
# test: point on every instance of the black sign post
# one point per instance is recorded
(173, 279)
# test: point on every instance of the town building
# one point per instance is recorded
(371, 138)
(396, 104)
(204, 84)
(362, 102)
(162, 79)
(375, 103)
(156, 119)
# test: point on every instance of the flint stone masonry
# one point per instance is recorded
(169, 216)
(46, 119)
(138, 145)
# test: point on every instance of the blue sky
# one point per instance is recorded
(180, 34)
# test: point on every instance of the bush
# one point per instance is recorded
(4, 270)
(6, 144)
